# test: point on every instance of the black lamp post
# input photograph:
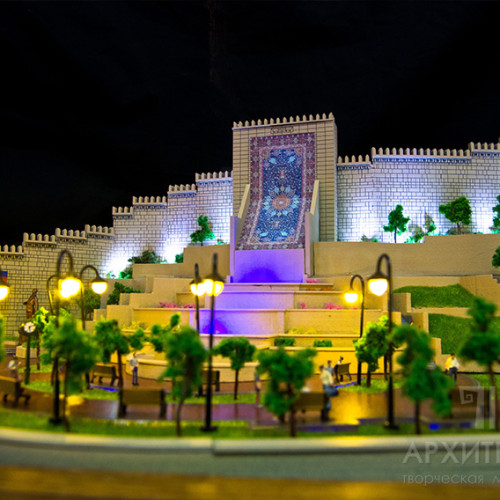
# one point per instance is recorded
(98, 285)
(214, 284)
(351, 296)
(197, 289)
(67, 286)
(378, 284)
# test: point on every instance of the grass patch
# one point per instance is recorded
(451, 330)
(377, 385)
(438, 296)
(235, 429)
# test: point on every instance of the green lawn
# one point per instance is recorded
(377, 385)
(450, 329)
(164, 429)
(438, 296)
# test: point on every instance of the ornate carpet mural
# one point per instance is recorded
(281, 185)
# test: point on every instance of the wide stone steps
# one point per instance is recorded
(263, 321)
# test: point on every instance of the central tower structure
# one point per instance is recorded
(290, 153)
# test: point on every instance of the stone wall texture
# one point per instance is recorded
(356, 196)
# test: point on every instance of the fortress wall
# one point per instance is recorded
(420, 181)
(32, 263)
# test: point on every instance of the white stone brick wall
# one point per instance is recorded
(31, 264)
(369, 188)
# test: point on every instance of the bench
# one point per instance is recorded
(142, 397)
(11, 387)
(204, 381)
(311, 401)
(101, 370)
(467, 397)
(340, 370)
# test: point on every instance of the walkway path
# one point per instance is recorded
(348, 408)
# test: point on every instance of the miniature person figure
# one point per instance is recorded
(329, 366)
(328, 388)
(258, 387)
(451, 366)
(31, 304)
(134, 365)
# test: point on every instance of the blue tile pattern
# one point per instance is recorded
(282, 171)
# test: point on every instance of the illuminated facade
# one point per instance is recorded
(355, 197)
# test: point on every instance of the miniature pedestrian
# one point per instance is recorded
(134, 366)
(258, 387)
(452, 366)
(329, 389)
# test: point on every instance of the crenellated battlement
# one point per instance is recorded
(353, 160)
(69, 234)
(478, 146)
(149, 200)
(123, 211)
(11, 250)
(283, 121)
(99, 231)
(39, 238)
(214, 176)
(420, 152)
(182, 188)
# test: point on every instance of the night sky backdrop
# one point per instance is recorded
(102, 101)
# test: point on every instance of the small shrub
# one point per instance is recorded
(114, 296)
(179, 258)
(284, 342)
(322, 343)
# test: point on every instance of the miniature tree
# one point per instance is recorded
(457, 211)
(417, 235)
(159, 333)
(372, 345)
(91, 301)
(239, 350)
(397, 222)
(78, 351)
(110, 338)
(495, 261)
(46, 324)
(430, 227)
(496, 218)
(185, 355)
(287, 375)
(483, 342)
(146, 257)
(204, 233)
(421, 380)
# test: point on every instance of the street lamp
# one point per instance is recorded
(98, 285)
(197, 287)
(351, 297)
(213, 284)
(379, 283)
(68, 286)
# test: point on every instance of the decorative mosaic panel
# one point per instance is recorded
(282, 172)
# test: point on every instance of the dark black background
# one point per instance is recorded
(102, 101)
